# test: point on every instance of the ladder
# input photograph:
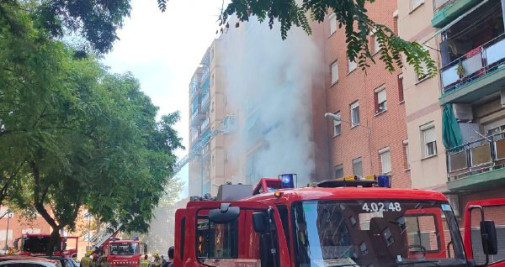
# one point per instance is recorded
(227, 126)
(102, 236)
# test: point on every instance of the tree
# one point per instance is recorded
(350, 14)
(72, 135)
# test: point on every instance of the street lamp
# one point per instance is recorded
(338, 118)
(9, 215)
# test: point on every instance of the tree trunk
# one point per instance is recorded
(54, 243)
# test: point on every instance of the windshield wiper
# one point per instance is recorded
(414, 262)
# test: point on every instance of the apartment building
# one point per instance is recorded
(211, 125)
(456, 121)
(368, 132)
(427, 158)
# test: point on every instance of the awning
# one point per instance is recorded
(451, 133)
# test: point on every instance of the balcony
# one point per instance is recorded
(195, 90)
(477, 165)
(478, 73)
(447, 10)
(197, 117)
(205, 124)
(205, 101)
(205, 75)
(194, 135)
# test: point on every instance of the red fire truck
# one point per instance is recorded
(335, 223)
(37, 244)
(123, 252)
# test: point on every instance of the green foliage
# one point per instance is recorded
(351, 15)
(72, 135)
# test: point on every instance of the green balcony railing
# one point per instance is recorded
(475, 64)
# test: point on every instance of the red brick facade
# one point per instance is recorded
(377, 131)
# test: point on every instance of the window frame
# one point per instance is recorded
(401, 88)
(332, 17)
(380, 106)
(355, 105)
(333, 79)
(382, 152)
(415, 4)
(354, 162)
(350, 64)
(335, 124)
(376, 45)
(339, 167)
(406, 157)
(425, 149)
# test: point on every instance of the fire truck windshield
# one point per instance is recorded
(36, 244)
(124, 248)
(376, 232)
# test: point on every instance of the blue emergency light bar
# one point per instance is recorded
(384, 181)
(288, 180)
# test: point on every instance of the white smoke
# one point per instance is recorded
(269, 83)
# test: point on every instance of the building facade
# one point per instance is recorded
(423, 111)
(370, 138)
(211, 125)
(472, 56)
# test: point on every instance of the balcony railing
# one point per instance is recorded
(205, 75)
(205, 100)
(194, 89)
(205, 124)
(476, 157)
(474, 64)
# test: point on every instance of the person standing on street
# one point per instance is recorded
(144, 262)
(103, 261)
(170, 262)
(157, 260)
(94, 262)
(86, 261)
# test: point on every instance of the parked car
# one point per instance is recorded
(11, 258)
(28, 263)
(64, 261)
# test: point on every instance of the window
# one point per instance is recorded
(283, 213)
(355, 114)
(376, 44)
(415, 3)
(339, 171)
(400, 88)
(334, 72)
(337, 126)
(183, 237)
(333, 23)
(395, 22)
(357, 167)
(351, 65)
(429, 140)
(385, 158)
(216, 241)
(406, 161)
(380, 100)
(424, 70)
(422, 233)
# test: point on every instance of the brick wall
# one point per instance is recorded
(387, 129)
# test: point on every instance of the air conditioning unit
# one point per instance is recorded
(463, 112)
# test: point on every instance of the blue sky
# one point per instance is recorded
(163, 49)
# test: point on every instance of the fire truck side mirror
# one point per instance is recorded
(260, 222)
(224, 214)
(489, 237)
